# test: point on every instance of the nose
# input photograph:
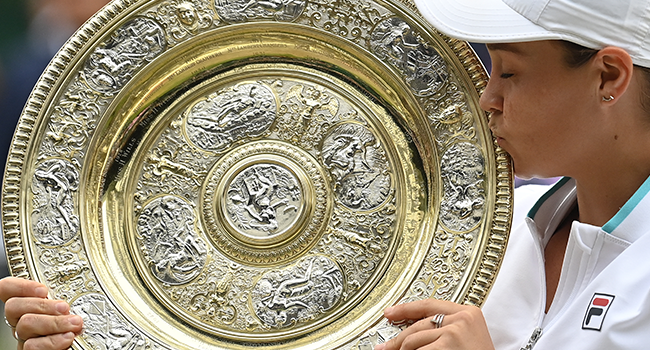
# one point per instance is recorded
(491, 100)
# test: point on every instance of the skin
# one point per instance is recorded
(601, 145)
(41, 322)
(553, 121)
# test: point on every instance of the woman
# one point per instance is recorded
(568, 96)
(575, 274)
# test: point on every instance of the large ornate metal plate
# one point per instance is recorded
(225, 174)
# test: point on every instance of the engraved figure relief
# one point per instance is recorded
(173, 166)
(378, 335)
(368, 231)
(183, 18)
(452, 123)
(359, 242)
(423, 68)
(220, 296)
(104, 328)
(66, 269)
(303, 292)
(234, 11)
(241, 112)
(306, 113)
(462, 172)
(164, 166)
(437, 277)
(215, 301)
(448, 257)
(444, 265)
(167, 235)
(73, 121)
(68, 272)
(117, 60)
(358, 166)
(54, 221)
(350, 19)
(263, 200)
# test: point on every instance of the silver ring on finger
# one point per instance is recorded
(437, 320)
(17, 337)
(9, 324)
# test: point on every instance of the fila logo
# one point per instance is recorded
(596, 311)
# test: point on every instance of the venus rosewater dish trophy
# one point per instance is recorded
(201, 174)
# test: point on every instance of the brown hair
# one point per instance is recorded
(577, 55)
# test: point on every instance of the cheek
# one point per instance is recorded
(534, 131)
(523, 120)
(544, 114)
(542, 145)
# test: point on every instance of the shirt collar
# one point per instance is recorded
(629, 223)
(553, 206)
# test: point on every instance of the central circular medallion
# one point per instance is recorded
(265, 202)
(262, 201)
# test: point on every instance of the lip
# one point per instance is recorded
(497, 137)
(499, 140)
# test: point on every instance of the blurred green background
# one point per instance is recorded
(31, 32)
(13, 25)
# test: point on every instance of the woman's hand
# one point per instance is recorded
(463, 327)
(37, 322)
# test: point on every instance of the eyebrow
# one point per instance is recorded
(504, 47)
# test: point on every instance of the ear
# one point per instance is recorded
(616, 68)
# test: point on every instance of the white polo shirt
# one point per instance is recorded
(603, 297)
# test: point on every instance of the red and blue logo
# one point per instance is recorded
(597, 311)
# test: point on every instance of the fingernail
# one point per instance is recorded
(388, 310)
(62, 308)
(380, 346)
(75, 320)
(69, 336)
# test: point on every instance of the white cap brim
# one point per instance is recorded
(482, 21)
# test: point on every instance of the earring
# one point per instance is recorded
(607, 99)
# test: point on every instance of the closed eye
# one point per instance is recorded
(506, 75)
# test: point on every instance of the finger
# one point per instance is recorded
(33, 325)
(421, 340)
(414, 337)
(15, 308)
(53, 342)
(18, 287)
(420, 309)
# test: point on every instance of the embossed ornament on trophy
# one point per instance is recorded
(226, 174)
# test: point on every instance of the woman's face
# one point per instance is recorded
(542, 111)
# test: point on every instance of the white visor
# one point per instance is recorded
(591, 23)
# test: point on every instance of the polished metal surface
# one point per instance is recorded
(272, 174)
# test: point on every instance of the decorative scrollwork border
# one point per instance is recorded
(501, 220)
(18, 156)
